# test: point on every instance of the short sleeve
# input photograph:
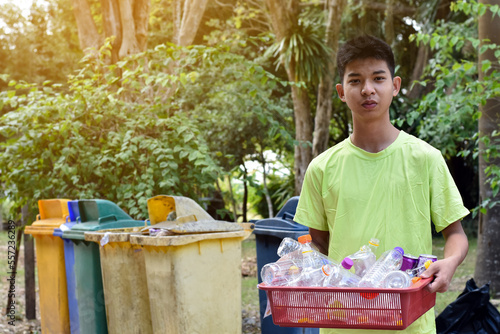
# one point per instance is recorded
(446, 202)
(310, 209)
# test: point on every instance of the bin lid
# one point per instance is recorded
(74, 216)
(289, 208)
(183, 239)
(52, 214)
(282, 225)
(74, 211)
(159, 207)
(98, 214)
(113, 235)
(58, 232)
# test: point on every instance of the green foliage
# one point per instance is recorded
(447, 115)
(138, 128)
(305, 48)
(39, 46)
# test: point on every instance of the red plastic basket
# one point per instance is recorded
(360, 308)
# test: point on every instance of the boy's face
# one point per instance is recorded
(368, 88)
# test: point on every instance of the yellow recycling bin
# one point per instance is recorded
(51, 266)
(194, 282)
(124, 282)
(193, 277)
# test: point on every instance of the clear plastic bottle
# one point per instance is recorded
(281, 273)
(287, 246)
(416, 272)
(340, 276)
(389, 261)
(365, 257)
(397, 279)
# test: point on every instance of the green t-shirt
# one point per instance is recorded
(392, 195)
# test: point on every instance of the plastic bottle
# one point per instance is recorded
(365, 257)
(397, 279)
(416, 272)
(389, 261)
(340, 276)
(281, 273)
(287, 246)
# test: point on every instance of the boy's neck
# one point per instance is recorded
(375, 137)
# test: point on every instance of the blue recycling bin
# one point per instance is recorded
(69, 260)
(268, 236)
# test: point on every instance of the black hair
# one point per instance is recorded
(363, 47)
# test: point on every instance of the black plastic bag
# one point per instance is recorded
(470, 313)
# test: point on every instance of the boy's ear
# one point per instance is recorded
(396, 82)
(340, 91)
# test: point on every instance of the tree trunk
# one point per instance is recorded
(270, 209)
(284, 18)
(191, 19)
(389, 22)
(488, 247)
(127, 20)
(87, 30)
(303, 130)
(325, 89)
(415, 90)
(129, 44)
(245, 193)
(112, 26)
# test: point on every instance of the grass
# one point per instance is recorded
(464, 272)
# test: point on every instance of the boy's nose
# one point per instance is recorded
(367, 89)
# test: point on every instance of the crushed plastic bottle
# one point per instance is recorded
(397, 279)
(365, 257)
(340, 276)
(389, 261)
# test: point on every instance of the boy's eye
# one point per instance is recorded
(353, 81)
(380, 78)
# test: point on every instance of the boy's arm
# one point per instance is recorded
(320, 239)
(455, 250)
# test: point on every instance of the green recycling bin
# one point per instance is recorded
(95, 215)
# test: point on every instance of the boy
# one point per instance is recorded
(381, 182)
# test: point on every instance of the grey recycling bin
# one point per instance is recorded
(268, 236)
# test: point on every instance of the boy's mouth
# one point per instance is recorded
(370, 104)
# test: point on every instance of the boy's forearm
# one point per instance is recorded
(320, 239)
(456, 243)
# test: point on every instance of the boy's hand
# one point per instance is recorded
(443, 271)
(455, 250)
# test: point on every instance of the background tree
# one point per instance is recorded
(488, 249)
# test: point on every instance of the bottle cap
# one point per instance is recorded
(399, 249)
(303, 239)
(347, 263)
(374, 242)
(427, 264)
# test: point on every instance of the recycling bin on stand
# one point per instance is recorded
(124, 282)
(95, 215)
(69, 261)
(269, 233)
(193, 280)
(50, 264)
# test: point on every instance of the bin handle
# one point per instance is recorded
(109, 218)
(78, 219)
(38, 217)
(288, 216)
(67, 219)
